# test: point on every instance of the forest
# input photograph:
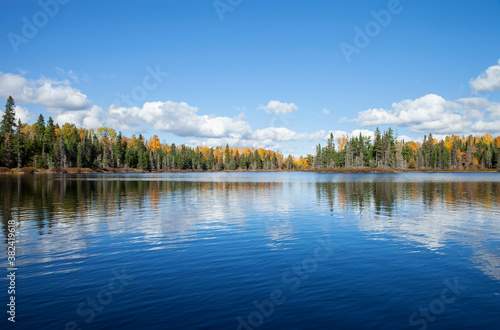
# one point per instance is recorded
(45, 145)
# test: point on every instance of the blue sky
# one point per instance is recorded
(262, 73)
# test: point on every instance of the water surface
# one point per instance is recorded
(255, 250)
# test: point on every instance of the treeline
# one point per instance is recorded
(47, 145)
(385, 151)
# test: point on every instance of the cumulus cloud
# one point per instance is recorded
(54, 95)
(122, 118)
(24, 114)
(488, 80)
(472, 106)
(279, 108)
(325, 111)
(180, 119)
(492, 127)
(432, 113)
(494, 110)
(91, 118)
(183, 120)
(278, 134)
(318, 135)
(428, 113)
(474, 102)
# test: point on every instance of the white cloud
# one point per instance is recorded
(54, 95)
(492, 127)
(278, 134)
(488, 80)
(428, 113)
(363, 132)
(279, 108)
(475, 102)
(449, 123)
(432, 113)
(180, 119)
(24, 114)
(91, 118)
(183, 120)
(494, 110)
(472, 106)
(325, 111)
(122, 118)
(318, 135)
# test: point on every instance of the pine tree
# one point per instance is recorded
(49, 138)
(8, 119)
(227, 156)
(39, 134)
(7, 133)
(119, 150)
(211, 159)
(377, 147)
(258, 161)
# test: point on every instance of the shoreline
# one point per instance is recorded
(364, 170)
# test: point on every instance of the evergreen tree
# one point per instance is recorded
(39, 134)
(258, 161)
(7, 133)
(227, 156)
(119, 150)
(377, 147)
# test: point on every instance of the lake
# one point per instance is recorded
(254, 250)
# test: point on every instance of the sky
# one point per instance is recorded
(274, 74)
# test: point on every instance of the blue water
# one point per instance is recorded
(254, 250)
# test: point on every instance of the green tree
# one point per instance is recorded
(7, 133)
(378, 147)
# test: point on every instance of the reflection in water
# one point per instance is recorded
(69, 210)
(204, 246)
(427, 213)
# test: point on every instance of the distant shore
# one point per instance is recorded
(32, 170)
